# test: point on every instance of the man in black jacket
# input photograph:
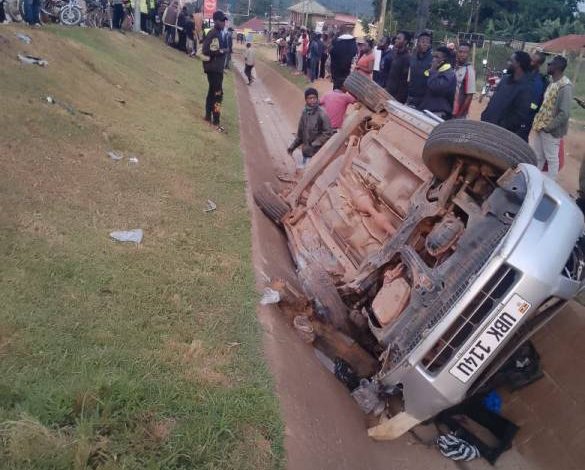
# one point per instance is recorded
(510, 106)
(214, 51)
(420, 66)
(343, 51)
(397, 79)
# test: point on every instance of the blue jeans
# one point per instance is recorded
(32, 11)
(314, 68)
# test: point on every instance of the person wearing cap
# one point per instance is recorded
(214, 50)
(314, 127)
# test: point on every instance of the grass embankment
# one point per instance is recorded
(267, 54)
(118, 356)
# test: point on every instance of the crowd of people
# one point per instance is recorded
(439, 80)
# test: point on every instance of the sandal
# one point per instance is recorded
(220, 129)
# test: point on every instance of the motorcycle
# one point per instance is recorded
(492, 81)
(68, 12)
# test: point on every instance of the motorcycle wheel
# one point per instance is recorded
(70, 15)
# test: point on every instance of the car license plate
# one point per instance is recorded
(490, 339)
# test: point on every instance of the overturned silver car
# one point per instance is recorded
(430, 251)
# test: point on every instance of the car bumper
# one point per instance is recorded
(529, 265)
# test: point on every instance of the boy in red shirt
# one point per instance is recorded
(335, 104)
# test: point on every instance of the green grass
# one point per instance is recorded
(266, 55)
(115, 356)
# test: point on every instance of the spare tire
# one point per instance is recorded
(477, 140)
(269, 202)
(366, 91)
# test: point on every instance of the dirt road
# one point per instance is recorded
(324, 428)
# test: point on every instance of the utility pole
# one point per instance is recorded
(382, 19)
(270, 21)
(136, 6)
(476, 22)
(422, 14)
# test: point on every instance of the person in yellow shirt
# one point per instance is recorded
(551, 123)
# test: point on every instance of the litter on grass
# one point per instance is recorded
(133, 160)
(128, 236)
(270, 296)
(30, 60)
(210, 207)
(23, 38)
(114, 156)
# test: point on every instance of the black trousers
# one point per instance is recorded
(214, 97)
(118, 16)
(322, 67)
(248, 72)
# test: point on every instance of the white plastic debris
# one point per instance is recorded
(129, 236)
(23, 38)
(270, 296)
(268, 101)
(30, 60)
(114, 156)
(211, 206)
(50, 100)
(367, 396)
(133, 160)
(323, 359)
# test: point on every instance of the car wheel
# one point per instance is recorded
(366, 91)
(273, 206)
(321, 290)
(474, 140)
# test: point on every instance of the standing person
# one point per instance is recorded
(249, 62)
(32, 11)
(335, 104)
(117, 13)
(441, 85)
(365, 64)
(214, 50)
(397, 81)
(379, 74)
(315, 53)
(181, 23)
(552, 121)
(465, 82)
(145, 8)
(343, 51)
(314, 127)
(326, 45)
(305, 51)
(510, 106)
(229, 36)
(420, 64)
(299, 52)
(190, 35)
(538, 82)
